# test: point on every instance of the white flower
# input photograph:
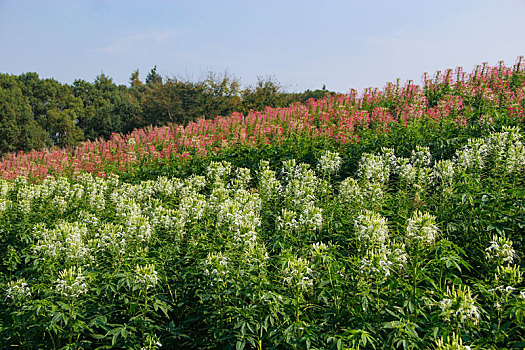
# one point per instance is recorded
(507, 149)
(380, 262)
(371, 228)
(71, 283)
(269, 187)
(407, 171)
(445, 304)
(95, 191)
(111, 237)
(389, 156)
(137, 228)
(216, 267)
(241, 215)
(421, 228)
(65, 241)
(27, 193)
(242, 179)
(298, 273)
(5, 187)
(5, 204)
(18, 290)
(287, 220)
(421, 157)
(443, 172)
(218, 172)
(329, 163)
(357, 195)
(500, 250)
(412, 172)
(194, 205)
(460, 305)
(195, 183)
(350, 191)
(301, 183)
(473, 155)
(167, 187)
(311, 217)
(374, 168)
(145, 277)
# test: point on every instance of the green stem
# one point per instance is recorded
(332, 286)
(297, 307)
(259, 343)
(416, 260)
(144, 311)
(70, 337)
(377, 296)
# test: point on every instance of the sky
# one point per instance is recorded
(301, 44)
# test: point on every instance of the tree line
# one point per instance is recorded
(37, 113)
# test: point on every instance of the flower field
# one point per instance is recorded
(449, 100)
(390, 220)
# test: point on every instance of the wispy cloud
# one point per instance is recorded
(134, 41)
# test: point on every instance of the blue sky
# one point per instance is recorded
(302, 44)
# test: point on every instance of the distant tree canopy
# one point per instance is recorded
(37, 113)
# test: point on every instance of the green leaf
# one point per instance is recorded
(240, 345)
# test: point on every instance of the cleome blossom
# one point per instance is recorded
(422, 229)
(500, 250)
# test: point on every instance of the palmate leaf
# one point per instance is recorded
(159, 304)
(59, 316)
(122, 331)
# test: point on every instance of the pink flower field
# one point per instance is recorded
(450, 97)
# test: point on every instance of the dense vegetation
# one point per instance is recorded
(390, 220)
(37, 113)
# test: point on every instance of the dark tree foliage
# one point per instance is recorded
(18, 128)
(108, 108)
(134, 80)
(55, 108)
(267, 92)
(153, 77)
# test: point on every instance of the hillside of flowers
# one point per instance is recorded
(451, 103)
(409, 252)
(393, 220)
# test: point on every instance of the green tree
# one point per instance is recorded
(267, 92)
(174, 101)
(18, 129)
(153, 77)
(289, 98)
(134, 80)
(55, 108)
(222, 95)
(108, 108)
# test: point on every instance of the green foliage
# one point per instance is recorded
(153, 77)
(108, 108)
(18, 128)
(265, 93)
(397, 251)
(173, 102)
(55, 108)
(134, 80)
